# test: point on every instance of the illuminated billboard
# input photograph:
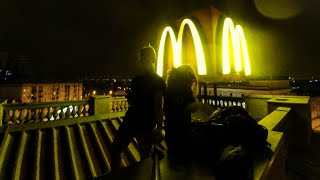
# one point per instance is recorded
(230, 34)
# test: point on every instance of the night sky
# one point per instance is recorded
(66, 39)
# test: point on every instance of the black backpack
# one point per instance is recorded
(232, 125)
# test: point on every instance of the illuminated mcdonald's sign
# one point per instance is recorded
(239, 48)
(238, 42)
(177, 47)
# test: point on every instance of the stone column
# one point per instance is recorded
(100, 105)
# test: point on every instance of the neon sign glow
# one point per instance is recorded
(240, 50)
(177, 47)
(238, 43)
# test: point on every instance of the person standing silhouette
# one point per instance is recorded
(179, 97)
(144, 116)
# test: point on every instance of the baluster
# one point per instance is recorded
(28, 116)
(6, 117)
(68, 113)
(244, 105)
(49, 114)
(119, 106)
(85, 110)
(80, 107)
(22, 116)
(62, 114)
(36, 115)
(126, 105)
(14, 116)
(55, 113)
(74, 111)
(43, 114)
(114, 107)
(122, 106)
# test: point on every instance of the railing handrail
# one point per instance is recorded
(118, 98)
(44, 104)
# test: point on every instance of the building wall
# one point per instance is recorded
(46, 92)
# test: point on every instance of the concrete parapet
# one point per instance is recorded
(100, 105)
(257, 105)
(298, 128)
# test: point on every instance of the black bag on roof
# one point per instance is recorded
(232, 125)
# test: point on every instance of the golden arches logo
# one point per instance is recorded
(177, 47)
(238, 42)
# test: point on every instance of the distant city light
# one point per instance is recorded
(110, 92)
(94, 92)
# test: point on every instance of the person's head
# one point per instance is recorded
(148, 58)
(182, 78)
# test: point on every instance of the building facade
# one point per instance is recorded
(41, 92)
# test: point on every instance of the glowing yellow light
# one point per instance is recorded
(94, 92)
(177, 47)
(238, 43)
(161, 47)
(244, 51)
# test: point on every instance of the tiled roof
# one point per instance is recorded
(73, 151)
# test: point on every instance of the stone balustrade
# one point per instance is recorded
(18, 113)
(48, 111)
(119, 104)
(220, 101)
